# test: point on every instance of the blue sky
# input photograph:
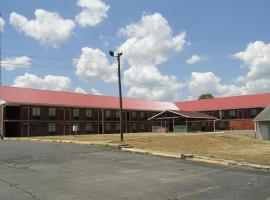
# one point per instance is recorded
(173, 50)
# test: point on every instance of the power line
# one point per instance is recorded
(46, 58)
(41, 57)
(48, 66)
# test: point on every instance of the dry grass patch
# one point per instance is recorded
(223, 146)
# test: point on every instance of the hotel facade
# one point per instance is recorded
(32, 112)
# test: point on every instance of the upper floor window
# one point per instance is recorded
(36, 111)
(52, 112)
(253, 112)
(88, 113)
(133, 115)
(76, 112)
(108, 114)
(142, 115)
(232, 113)
(117, 114)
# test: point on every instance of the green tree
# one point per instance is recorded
(206, 96)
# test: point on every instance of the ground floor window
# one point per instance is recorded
(134, 126)
(35, 129)
(52, 127)
(108, 126)
(142, 127)
(89, 127)
(117, 126)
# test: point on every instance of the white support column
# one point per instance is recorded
(214, 125)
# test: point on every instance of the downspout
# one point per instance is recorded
(2, 119)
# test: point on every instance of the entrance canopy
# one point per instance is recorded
(169, 114)
(182, 121)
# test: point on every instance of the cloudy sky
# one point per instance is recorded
(172, 50)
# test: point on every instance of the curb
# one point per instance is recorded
(97, 143)
(201, 159)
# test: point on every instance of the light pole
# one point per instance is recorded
(118, 55)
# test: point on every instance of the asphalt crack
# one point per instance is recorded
(16, 186)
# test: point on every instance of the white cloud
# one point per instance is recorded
(13, 63)
(195, 59)
(93, 65)
(94, 91)
(149, 43)
(147, 82)
(2, 24)
(49, 28)
(49, 82)
(93, 12)
(256, 57)
(208, 82)
(80, 90)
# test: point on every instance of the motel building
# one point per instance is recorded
(33, 112)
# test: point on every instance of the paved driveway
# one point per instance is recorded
(30, 170)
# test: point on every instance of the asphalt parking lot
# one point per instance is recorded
(34, 170)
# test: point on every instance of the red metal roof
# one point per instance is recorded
(69, 99)
(224, 103)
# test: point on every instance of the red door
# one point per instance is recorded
(61, 129)
(67, 129)
(25, 130)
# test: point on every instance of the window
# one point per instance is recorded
(142, 127)
(117, 126)
(222, 125)
(35, 129)
(89, 127)
(133, 115)
(232, 113)
(108, 114)
(52, 127)
(76, 112)
(108, 126)
(36, 111)
(52, 112)
(253, 112)
(142, 115)
(117, 114)
(134, 126)
(88, 113)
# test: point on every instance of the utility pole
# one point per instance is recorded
(118, 55)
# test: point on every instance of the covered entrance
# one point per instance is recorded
(182, 121)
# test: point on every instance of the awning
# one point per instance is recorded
(169, 114)
(264, 115)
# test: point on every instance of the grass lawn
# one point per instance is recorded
(217, 145)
